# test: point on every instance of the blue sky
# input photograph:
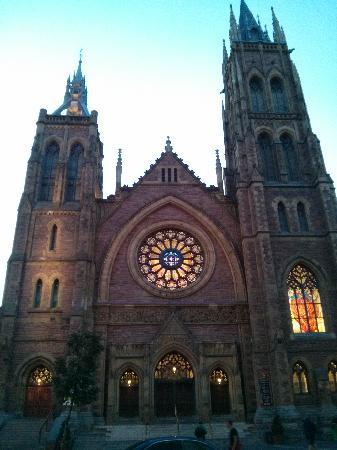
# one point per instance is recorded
(153, 69)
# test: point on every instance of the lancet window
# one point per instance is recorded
(55, 294)
(304, 301)
(257, 96)
(302, 217)
(300, 378)
(282, 217)
(53, 237)
(268, 157)
(73, 171)
(48, 172)
(278, 95)
(290, 157)
(38, 293)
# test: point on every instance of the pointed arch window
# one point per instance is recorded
(300, 378)
(129, 394)
(38, 293)
(257, 96)
(304, 301)
(53, 237)
(219, 387)
(332, 376)
(282, 217)
(48, 172)
(73, 170)
(290, 157)
(54, 299)
(302, 217)
(278, 95)
(268, 157)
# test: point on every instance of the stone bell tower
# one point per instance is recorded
(287, 208)
(50, 277)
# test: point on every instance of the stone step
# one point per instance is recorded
(120, 432)
(22, 434)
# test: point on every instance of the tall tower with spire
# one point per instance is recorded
(52, 249)
(286, 205)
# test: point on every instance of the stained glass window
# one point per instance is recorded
(218, 376)
(256, 93)
(279, 97)
(48, 172)
(129, 379)
(332, 376)
(300, 379)
(38, 293)
(171, 259)
(40, 376)
(304, 301)
(173, 367)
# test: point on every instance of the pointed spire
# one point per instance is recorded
(279, 35)
(119, 171)
(78, 76)
(168, 146)
(75, 98)
(224, 64)
(218, 169)
(249, 29)
(266, 35)
(233, 31)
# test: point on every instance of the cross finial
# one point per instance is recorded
(81, 53)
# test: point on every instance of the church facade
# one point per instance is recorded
(210, 301)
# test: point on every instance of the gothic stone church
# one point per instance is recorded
(210, 301)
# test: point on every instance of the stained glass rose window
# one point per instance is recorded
(171, 259)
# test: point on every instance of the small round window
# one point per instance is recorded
(171, 259)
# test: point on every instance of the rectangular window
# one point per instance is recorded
(175, 171)
(163, 175)
(169, 175)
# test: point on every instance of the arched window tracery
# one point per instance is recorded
(53, 237)
(290, 156)
(38, 293)
(73, 170)
(257, 95)
(54, 299)
(332, 375)
(304, 301)
(300, 378)
(268, 157)
(129, 394)
(40, 376)
(219, 387)
(48, 172)
(173, 366)
(302, 217)
(278, 95)
(282, 217)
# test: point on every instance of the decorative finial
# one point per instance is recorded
(219, 171)
(279, 35)
(81, 52)
(119, 171)
(168, 146)
(233, 32)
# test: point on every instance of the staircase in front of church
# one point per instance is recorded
(22, 434)
(119, 436)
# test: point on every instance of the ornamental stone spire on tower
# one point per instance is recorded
(75, 97)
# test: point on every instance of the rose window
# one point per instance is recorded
(171, 259)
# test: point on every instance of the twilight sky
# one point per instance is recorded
(153, 68)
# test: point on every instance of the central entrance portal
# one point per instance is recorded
(174, 390)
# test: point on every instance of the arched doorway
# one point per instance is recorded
(39, 395)
(129, 394)
(219, 387)
(174, 391)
